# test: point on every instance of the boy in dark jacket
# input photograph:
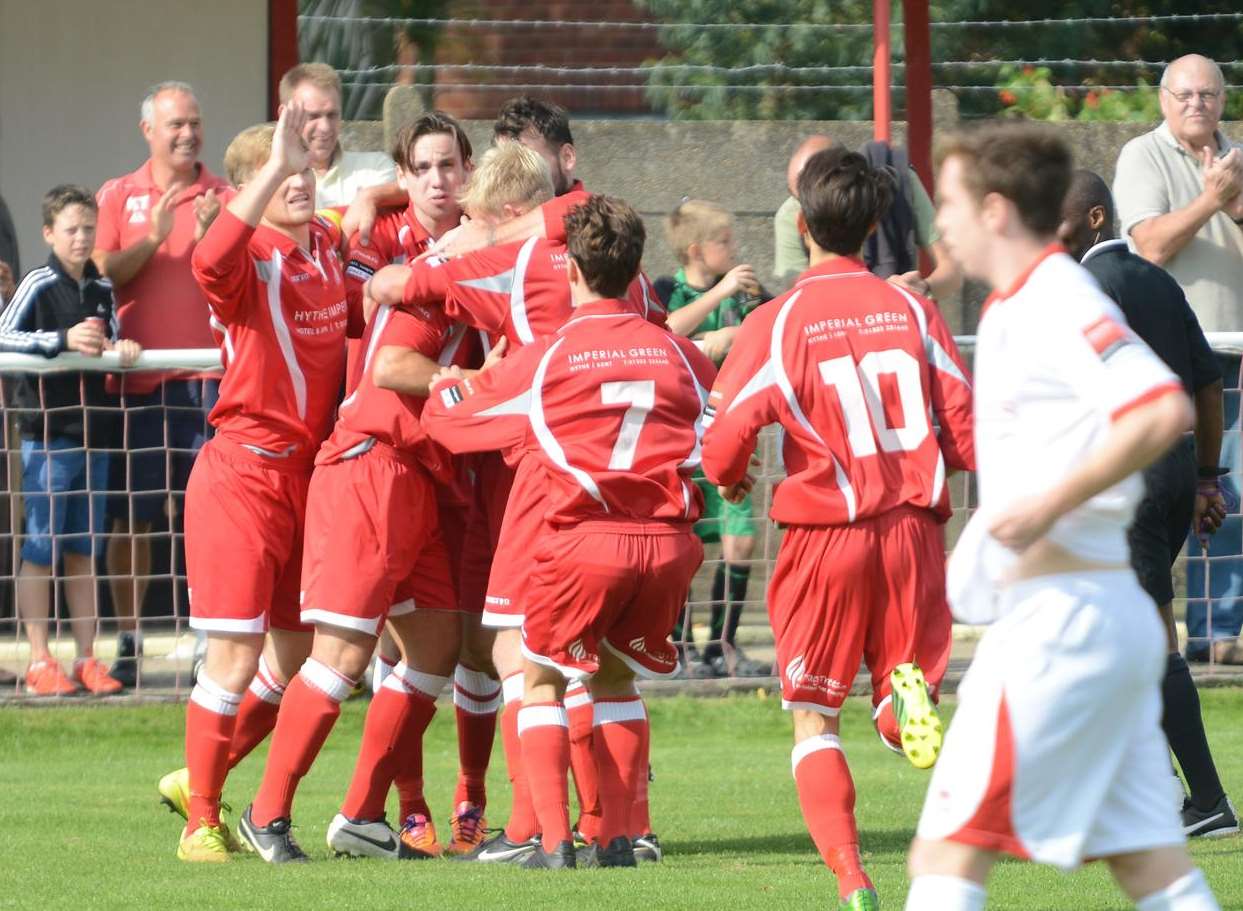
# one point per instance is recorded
(64, 306)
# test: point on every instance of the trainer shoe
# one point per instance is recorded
(498, 849)
(618, 853)
(1218, 822)
(47, 678)
(647, 849)
(366, 838)
(742, 667)
(273, 842)
(125, 667)
(174, 791)
(91, 673)
(468, 826)
(917, 715)
(206, 844)
(418, 837)
(562, 858)
(860, 900)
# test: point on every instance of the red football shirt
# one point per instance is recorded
(162, 306)
(607, 411)
(557, 208)
(518, 290)
(866, 381)
(369, 413)
(280, 315)
(397, 237)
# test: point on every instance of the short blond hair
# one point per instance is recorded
(320, 75)
(248, 152)
(695, 221)
(509, 174)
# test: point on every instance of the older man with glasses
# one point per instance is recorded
(1179, 192)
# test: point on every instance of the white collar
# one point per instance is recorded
(1101, 247)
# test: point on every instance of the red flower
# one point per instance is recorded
(1092, 100)
(1007, 97)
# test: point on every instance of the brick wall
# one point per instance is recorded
(561, 46)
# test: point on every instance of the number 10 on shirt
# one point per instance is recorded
(858, 391)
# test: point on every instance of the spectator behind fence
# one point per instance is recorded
(339, 175)
(149, 223)
(907, 226)
(707, 300)
(64, 306)
(10, 264)
(1177, 190)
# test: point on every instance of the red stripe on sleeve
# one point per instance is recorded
(1151, 395)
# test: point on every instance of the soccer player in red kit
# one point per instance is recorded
(875, 402)
(617, 554)
(433, 158)
(519, 292)
(273, 279)
(374, 552)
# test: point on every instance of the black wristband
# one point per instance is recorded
(1212, 472)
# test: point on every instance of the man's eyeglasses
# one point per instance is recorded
(1206, 98)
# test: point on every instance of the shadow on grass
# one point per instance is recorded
(872, 841)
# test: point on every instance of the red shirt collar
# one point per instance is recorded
(411, 218)
(837, 265)
(1051, 250)
(605, 307)
(203, 181)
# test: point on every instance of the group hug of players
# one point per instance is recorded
(508, 489)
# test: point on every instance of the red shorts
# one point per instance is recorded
(484, 516)
(373, 542)
(511, 564)
(244, 517)
(873, 590)
(619, 584)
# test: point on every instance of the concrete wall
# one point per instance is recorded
(72, 75)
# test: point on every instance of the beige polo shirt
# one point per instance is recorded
(1155, 176)
(351, 172)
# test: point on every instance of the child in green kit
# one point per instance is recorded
(707, 300)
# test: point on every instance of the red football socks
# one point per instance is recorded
(640, 811)
(545, 734)
(210, 719)
(826, 793)
(522, 823)
(309, 709)
(476, 698)
(579, 710)
(257, 716)
(393, 744)
(620, 726)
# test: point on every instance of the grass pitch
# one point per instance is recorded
(81, 827)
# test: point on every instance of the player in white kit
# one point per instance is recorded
(1055, 752)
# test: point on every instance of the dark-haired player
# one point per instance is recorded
(876, 406)
(605, 417)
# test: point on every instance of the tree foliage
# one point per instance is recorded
(845, 95)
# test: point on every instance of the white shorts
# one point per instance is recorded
(1056, 753)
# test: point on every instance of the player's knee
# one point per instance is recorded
(507, 652)
(232, 659)
(346, 651)
(736, 549)
(808, 724)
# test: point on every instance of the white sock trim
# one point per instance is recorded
(619, 712)
(512, 688)
(213, 697)
(1188, 893)
(328, 681)
(476, 683)
(265, 685)
(535, 716)
(473, 706)
(404, 677)
(805, 748)
(945, 893)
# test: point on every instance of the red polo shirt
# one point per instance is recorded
(163, 306)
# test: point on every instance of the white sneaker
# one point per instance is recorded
(364, 839)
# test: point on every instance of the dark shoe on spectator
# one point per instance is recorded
(125, 668)
(743, 666)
